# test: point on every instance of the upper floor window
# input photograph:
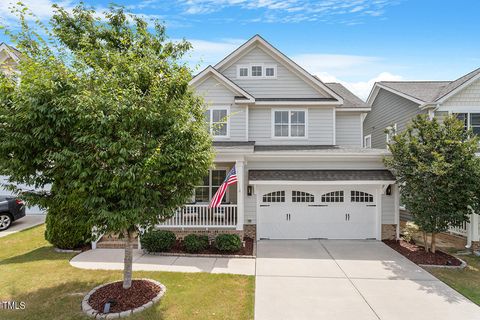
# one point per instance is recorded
(243, 72)
(217, 119)
(367, 141)
(289, 123)
(470, 120)
(256, 71)
(270, 71)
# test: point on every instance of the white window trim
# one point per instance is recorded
(264, 73)
(469, 125)
(369, 136)
(389, 129)
(210, 186)
(241, 66)
(274, 66)
(289, 124)
(211, 121)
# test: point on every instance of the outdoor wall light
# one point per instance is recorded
(388, 192)
(249, 190)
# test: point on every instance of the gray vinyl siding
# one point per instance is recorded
(469, 96)
(250, 209)
(388, 209)
(299, 164)
(319, 127)
(348, 129)
(388, 109)
(286, 85)
(216, 94)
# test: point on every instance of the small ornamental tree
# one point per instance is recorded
(437, 169)
(107, 117)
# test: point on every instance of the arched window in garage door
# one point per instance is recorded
(334, 196)
(360, 196)
(300, 196)
(275, 196)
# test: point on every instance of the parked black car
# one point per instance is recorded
(11, 209)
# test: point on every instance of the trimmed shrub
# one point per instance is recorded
(228, 242)
(158, 240)
(67, 228)
(194, 243)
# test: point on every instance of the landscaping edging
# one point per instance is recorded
(89, 311)
(462, 266)
(204, 255)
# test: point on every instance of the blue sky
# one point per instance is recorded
(355, 42)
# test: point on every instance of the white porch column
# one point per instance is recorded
(240, 166)
(475, 226)
(396, 193)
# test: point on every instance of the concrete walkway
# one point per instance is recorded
(112, 259)
(24, 223)
(342, 279)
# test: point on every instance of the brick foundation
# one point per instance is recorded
(476, 246)
(389, 231)
(211, 233)
(250, 230)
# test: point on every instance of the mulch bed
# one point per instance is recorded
(140, 293)
(247, 250)
(418, 255)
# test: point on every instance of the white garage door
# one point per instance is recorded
(317, 212)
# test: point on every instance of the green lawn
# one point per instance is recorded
(33, 272)
(466, 281)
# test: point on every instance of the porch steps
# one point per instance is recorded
(112, 242)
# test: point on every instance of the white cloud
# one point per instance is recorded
(294, 10)
(206, 53)
(361, 88)
(40, 8)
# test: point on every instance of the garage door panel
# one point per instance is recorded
(322, 212)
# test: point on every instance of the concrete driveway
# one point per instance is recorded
(349, 279)
(24, 223)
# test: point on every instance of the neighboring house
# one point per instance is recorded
(9, 60)
(296, 143)
(395, 103)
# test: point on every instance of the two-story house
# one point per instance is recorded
(395, 103)
(296, 144)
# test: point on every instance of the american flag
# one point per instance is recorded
(229, 180)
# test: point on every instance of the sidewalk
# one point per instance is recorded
(24, 223)
(112, 259)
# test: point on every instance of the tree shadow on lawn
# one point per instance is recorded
(63, 301)
(45, 253)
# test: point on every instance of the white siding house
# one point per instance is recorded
(296, 144)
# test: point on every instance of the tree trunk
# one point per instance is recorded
(425, 241)
(127, 261)
(433, 246)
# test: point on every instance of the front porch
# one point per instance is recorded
(196, 216)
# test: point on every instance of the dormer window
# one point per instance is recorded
(243, 71)
(256, 71)
(270, 71)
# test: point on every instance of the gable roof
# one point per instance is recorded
(244, 97)
(425, 92)
(11, 51)
(302, 73)
(350, 100)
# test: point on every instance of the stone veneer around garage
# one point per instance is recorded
(389, 231)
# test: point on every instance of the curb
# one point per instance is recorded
(462, 266)
(92, 313)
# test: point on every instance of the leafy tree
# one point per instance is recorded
(436, 166)
(104, 112)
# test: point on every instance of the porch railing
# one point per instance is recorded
(460, 230)
(201, 216)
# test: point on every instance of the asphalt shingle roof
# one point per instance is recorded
(429, 91)
(349, 99)
(320, 175)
